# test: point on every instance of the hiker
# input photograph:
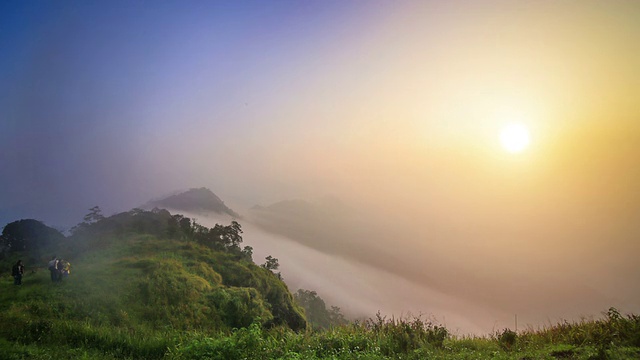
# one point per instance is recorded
(17, 271)
(66, 269)
(59, 268)
(52, 268)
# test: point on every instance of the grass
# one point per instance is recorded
(145, 298)
(410, 339)
(377, 339)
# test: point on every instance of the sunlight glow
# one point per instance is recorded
(515, 137)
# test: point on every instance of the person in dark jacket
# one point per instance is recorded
(59, 268)
(17, 271)
(52, 268)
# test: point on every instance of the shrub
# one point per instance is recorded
(507, 339)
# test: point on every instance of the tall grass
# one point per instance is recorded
(610, 338)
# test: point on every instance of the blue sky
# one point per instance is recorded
(88, 87)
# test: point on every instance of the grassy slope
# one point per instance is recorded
(141, 297)
(136, 294)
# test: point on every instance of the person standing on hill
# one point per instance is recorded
(17, 271)
(53, 269)
(66, 269)
(59, 269)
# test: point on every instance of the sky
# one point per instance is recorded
(393, 107)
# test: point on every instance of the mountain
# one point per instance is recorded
(194, 200)
(141, 275)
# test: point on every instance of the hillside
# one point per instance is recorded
(152, 285)
(194, 200)
(141, 272)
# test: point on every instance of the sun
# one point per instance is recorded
(515, 137)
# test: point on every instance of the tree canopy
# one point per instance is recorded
(316, 310)
(29, 235)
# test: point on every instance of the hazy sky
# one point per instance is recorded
(111, 103)
(395, 107)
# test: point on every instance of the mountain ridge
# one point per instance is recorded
(193, 200)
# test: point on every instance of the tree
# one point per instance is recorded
(316, 310)
(29, 235)
(271, 264)
(173, 226)
(234, 231)
(94, 215)
(247, 253)
(185, 225)
(180, 226)
(225, 237)
(336, 317)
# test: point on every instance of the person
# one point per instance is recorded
(59, 268)
(66, 269)
(17, 271)
(53, 269)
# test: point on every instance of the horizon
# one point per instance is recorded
(492, 143)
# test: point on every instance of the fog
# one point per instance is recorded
(368, 134)
(365, 266)
(361, 290)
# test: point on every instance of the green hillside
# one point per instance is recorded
(141, 275)
(151, 285)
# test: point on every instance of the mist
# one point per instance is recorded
(367, 134)
(463, 270)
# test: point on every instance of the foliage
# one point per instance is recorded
(220, 237)
(507, 339)
(316, 310)
(29, 235)
(170, 275)
(93, 316)
(404, 335)
(271, 264)
(94, 215)
(381, 338)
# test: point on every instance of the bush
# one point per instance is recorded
(507, 339)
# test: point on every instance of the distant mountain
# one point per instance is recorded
(194, 200)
